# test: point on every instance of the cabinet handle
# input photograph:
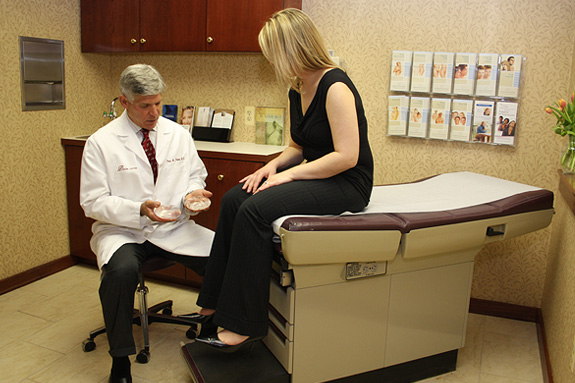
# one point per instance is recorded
(143, 41)
(220, 177)
(133, 41)
(209, 40)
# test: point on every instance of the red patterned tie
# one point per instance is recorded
(150, 152)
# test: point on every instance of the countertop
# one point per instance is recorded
(248, 148)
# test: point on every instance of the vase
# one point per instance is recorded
(568, 155)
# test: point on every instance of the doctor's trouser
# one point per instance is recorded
(237, 277)
(120, 278)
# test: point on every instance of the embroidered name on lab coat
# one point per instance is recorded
(122, 168)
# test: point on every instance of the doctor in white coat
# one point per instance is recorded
(119, 189)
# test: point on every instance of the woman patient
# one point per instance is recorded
(326, 169)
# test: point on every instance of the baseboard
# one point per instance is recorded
(517, 312)
(36, 273)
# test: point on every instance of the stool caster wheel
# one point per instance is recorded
(167, 311)
(143, 357)
(88, 345)
(191, 333)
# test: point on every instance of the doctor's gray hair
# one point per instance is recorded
(141, 80)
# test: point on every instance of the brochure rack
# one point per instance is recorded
(468, 97)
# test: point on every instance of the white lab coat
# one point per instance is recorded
(117, 177)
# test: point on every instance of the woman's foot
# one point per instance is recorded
(202, 317)
(231, 338)
(221, 339)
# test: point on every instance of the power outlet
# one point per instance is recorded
(573, 356)
(250, 116)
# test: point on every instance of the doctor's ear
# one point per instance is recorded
(124, 101)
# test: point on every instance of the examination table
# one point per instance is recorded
(381, 295)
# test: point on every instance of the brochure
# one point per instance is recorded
(170, 112)
(482, 128)
(442, 72)
(400, 71)
(464, 73)
(187, 117)
(421, 72)
(398, 115)
(439, 122)
(486, 74)
(506, 123)
(510, 76)
(461, 120)
(270, 125)
(205, 115)
(223, 119)
(418, 117)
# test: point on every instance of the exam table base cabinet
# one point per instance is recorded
(415, 305)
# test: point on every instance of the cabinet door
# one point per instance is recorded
(235, 25)
(172, 25)
(110, 26)
(223, 174)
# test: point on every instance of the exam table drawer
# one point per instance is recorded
(282, 299)
(281, 348)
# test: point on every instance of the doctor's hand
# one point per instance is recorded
(198, 201)
(147, 209)
(253, 181)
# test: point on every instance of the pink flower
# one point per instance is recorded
(562, 103)
(549, 110)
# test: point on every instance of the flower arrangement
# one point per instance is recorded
(565, 126)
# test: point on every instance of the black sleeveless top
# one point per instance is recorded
(312, 132)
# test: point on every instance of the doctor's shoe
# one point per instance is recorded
(120, 370)
(124, 379)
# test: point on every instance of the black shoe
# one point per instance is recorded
(215, 342)
(120, 379)
(197, 318)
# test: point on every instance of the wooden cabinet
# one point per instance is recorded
(175, 25)
(225, 169)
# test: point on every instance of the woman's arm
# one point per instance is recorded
(342, 116)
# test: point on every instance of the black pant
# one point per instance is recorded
(120, 278)
(237, 278)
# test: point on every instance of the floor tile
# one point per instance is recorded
(20, 360)
(509, 356)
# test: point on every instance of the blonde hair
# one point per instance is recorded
(292, 44)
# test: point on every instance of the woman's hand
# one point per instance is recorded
(276, 179)
(253, 181)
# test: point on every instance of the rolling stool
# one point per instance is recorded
(145, 315)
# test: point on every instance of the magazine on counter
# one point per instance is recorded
(400, 71)
(505, 123)
(398, 115)
(418, 117)
(270, 125)
(482, 127)
(461, 111)
(443, 72)
(439, 122)
(487, 64)
(510, 75)
(464, 73)
(421, 72)
(187, 117)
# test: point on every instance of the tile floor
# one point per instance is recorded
(45, 322)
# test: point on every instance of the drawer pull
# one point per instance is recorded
(220, 177)
(133, 41)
